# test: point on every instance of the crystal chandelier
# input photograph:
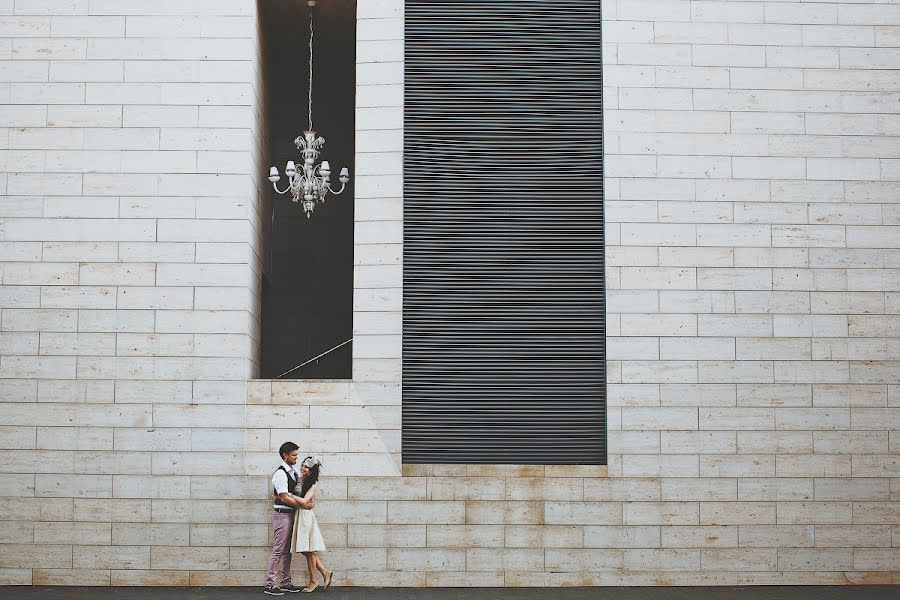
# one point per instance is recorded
(311, 183)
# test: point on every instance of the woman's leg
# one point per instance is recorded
(319, 566)
(311, 564)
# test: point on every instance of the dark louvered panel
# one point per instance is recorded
(503, 295)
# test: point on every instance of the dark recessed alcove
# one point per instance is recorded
(307, 292)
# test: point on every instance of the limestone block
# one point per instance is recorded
(18, 438)
(115, 321)
(72, 533)
(809, 465)
(426, 559)
(176, 439)
(701, 489)
(197, 463)
(380, 440)
(581, 513)
(659, 418)
(357, 512)
(876, 465)
(672, 465)
(775, 442)
(815, 559)
(770, 536)
(857, 488)
(739, 559)
(144, 486)
(737, 513)
(360, 464)
(77, 486)
(875, 512)
(15, 576)
(222, 439)
(621, 489)
(797, 513)
(662, 560)
(13, 532)
(152, 392)
(620, 537)
(432, 512)
(504, 512)
(545, 536)
(548, 488)
(852, 536)
(309, 392)
(143, 578)
(768, 489)
(591, 559)
(469, 488)
(439, 579)
(170, 511)
(27, 319)
(872, 559)
(111, 557)
(316, 440)
(347, 559)
(730, 465)
(812, 418)
(193, 415)
(91, 344)
(697, 442)
(230, 487)
(388, 536)
(465, 536)
(87, 577)
(355, 417)
(150, 534)
(737, 418)
(386, 488)
(384, 578)
(173, 557)
(221, 534)
(260, 416)
(504, 559)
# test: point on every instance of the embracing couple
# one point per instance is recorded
(294, 523)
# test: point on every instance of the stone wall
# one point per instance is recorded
(754, 312)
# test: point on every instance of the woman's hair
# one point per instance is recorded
(310, 480)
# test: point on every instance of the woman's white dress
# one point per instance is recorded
(306, 536)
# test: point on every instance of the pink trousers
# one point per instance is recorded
(280, 561)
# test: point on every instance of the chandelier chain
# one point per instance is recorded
(310, 67)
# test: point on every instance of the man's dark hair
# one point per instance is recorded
(287, 448)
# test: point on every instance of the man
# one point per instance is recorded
(284, 483)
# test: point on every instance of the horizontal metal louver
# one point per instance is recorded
(504, 306)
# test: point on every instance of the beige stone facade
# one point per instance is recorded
(753, 312)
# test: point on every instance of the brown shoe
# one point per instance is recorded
(328, 580)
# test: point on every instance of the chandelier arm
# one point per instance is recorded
(275, 185)
(336, 193)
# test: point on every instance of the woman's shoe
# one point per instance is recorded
(328, 580)
(310, 588)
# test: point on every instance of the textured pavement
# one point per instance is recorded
(881, 592)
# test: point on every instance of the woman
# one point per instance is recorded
(306, 538)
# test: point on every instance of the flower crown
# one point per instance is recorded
(311, 461)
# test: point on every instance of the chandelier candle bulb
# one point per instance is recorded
(290, 169)
(273, 175)
(345, 175)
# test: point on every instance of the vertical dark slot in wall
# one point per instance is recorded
(307, 295)
(503, 260)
